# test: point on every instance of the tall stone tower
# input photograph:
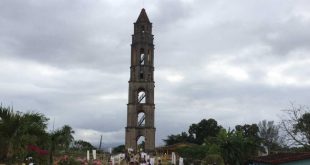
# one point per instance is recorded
(141, 107)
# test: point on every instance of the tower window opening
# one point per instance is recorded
(141, 97)
(141, 143)
(141, 119)
(142, 59)
(141, 76)
(141, 56)
(141, 73)
(142, 29)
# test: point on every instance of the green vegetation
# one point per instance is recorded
(238, 145)
(18, 130)
(81, 145)
(24, 135)
(296, 126)
(214, 143)
(119, 149)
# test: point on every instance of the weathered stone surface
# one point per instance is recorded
(141, 82)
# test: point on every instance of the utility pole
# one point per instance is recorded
(100, 143)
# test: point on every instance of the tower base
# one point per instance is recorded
(134, 133)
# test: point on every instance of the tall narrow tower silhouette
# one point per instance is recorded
(141, 107)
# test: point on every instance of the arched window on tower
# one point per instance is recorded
(141, 97)
(142, 56)
(141, 74)
(142, 28)
(141, 119)
(142, 59)
(141, 143)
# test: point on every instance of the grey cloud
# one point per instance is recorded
(70, 60)
(65, 39)
(289, 36)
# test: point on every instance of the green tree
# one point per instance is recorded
(60, 139)
(54, 141)
(204, 129)
(234, 147)
(295, 123)
(197, 133)
(193, 153)
(247, 130)
(269, 134)
(83, 145)
(230, 144)
(303, 126)
(214, 159)
(67, 136)
(250, 134)
(118, 149)
(174, 139)
(18, 130)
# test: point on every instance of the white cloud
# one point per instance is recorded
(218, 68)
(115, 96)
(214, 59)
(170, 75)
(285, 73)
(93, 136)
(174, 78)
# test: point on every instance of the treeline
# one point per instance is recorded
(211, 143)
(24, 135)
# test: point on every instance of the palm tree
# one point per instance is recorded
(55, 139)
(19, 130)
(60, 139)
(8, 130)
(67, 137)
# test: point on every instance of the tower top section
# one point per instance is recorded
(142, 30)
(143, 17)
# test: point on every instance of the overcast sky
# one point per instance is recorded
(235, 61)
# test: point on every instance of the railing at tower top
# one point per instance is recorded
(141, 97)
(140, 122)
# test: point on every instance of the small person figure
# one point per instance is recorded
(148, 162)
(143, 162)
